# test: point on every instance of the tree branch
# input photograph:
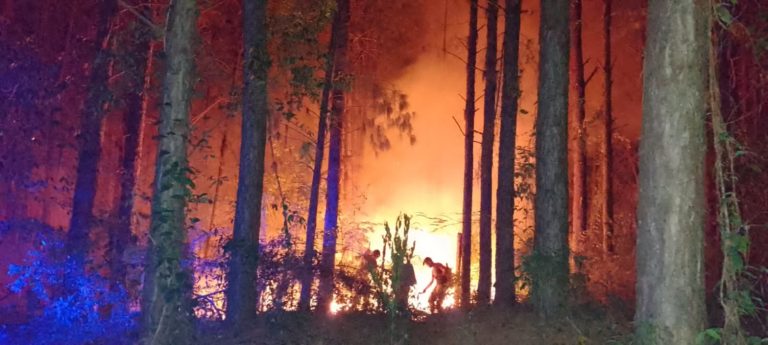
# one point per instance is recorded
(156, 30)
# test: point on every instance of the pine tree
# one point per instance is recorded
(486, 155)
(550, 260)
(670, 211)
(469, 142)
(505, 193)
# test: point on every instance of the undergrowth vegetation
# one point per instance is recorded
(66, 304)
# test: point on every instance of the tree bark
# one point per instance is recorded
(580, 163)
(505, 192)
(469, 142)
(314, 193)
(121, 236)
(670, 272)
(90, 142)
(169, 313)
(607, 190)
(330, 231)
(241, 290)
(551, 235)
(486, 155)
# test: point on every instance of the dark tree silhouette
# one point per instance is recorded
(314, 192)
(505, 193)
(330, 231)
(241, 289)
(469, 142)
(133, 116)
(90, 139)
(486, 154)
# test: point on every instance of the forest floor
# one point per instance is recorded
(518, 326)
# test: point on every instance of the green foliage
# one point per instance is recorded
(714, 336)
(401, 251)
(390, 111)
(295, 31)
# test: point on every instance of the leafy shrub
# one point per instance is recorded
(68, 305)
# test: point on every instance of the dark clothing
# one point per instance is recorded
(407, 279)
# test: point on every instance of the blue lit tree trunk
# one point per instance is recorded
(330, 231)
(505, 193)
(168, 285)
(314, 194)
(241, 288)
(90, 140)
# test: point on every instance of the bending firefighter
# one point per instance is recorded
(441, 276)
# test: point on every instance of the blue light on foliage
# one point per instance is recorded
(73, 307)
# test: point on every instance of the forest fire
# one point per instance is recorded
(366, 171)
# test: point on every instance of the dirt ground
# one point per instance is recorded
(518, 326)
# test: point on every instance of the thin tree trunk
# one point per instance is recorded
(169, 315)
(314, 193)
(121, 236)
(469, 142)
(90, 143)
(53, 142)
(241, 290)
(210, 241)
(608, 245)
(580, 202)
(670, 212)
(505, 193)
(330, 232)
(486, 155)
(551, 202)
(217, 182)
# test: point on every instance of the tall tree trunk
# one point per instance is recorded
(551, 234)
(486, 155)
(469, 142)
(580, 164)
(314, 193)
(505, 193)
(330, 232)
(241, 290)
(121, 237)
(670, 212)
(90, 143)
(169, 313)
(607, 189)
